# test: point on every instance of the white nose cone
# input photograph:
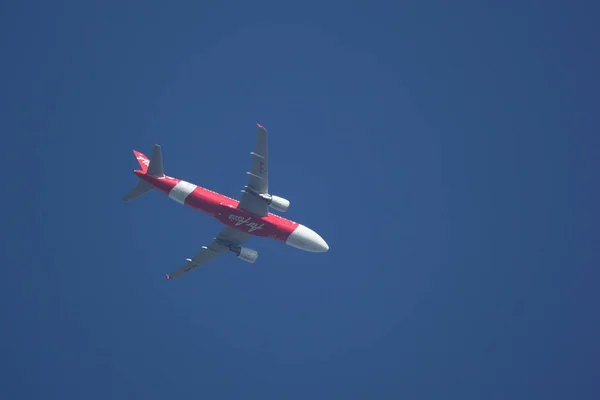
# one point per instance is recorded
(306, 239)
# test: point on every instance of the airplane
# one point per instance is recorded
(243, 219)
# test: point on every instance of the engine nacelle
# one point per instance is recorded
(277, 203)
(246, 254)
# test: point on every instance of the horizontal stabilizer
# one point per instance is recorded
(156, 163)
(141, 188)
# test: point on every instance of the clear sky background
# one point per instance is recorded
(447, 152)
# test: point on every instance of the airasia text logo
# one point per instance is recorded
(239, 220)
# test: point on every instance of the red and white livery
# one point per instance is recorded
(242, 219)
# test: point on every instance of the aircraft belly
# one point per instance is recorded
(253, 225)
(202, 200)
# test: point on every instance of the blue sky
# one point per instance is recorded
(446, 152)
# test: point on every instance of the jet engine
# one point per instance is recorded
(276, 202)
(246, 254)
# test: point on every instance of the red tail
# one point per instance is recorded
(143, 160)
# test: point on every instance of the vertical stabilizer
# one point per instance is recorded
(142, 160)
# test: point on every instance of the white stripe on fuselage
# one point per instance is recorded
(181, 191)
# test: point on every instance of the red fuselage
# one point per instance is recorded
(221, 207)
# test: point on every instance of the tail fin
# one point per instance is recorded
(143, 160)
(152, 166)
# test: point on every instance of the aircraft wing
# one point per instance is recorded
(228, 237)
(258, 177)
